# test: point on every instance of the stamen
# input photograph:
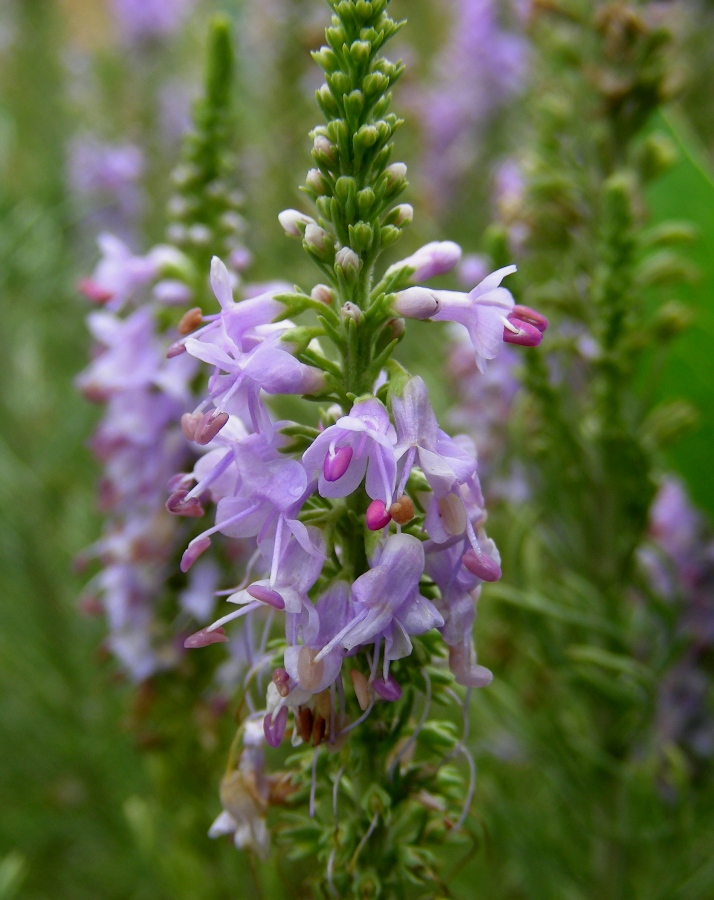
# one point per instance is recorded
(377, 516)
(190, 320)
(205, 637)
(361, 688)
(402, 510)
(388, 689)
(209, 426)
(357, 722)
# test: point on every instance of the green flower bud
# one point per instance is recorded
(324, 151)
(390, 234)
(366, 137)
(655, 156)
(345, 189)
(339, 83)
(374, 84)
(316, 182)
(354, 104)
(360, 51)
(361, 236)
(400, 216)
(327, 102)
(326, 59)
(671, 319)
(365, 200)
(318, 242)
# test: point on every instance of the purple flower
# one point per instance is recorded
(293, 572)
(248, 354)
(245, 793)
(458, 588)
(334, 610)
(361, 442)
(388, 604)
(108, 175)
(141, 20)
(436, 258)
(444, 462)
(488, 313)
(120, 276)
(480, 68)
(270, 491)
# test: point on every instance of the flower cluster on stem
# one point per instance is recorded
(368, 522)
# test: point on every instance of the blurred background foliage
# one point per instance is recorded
(87, 809)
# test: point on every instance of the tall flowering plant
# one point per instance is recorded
(365, 519)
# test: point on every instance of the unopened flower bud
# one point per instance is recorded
(324, 151)
(351, 311)
(317, 240)
(400, 216)
(294, 222)
(316, 181)
(396, 327)
(347, 262)
(396, 178)
(323, 294)
(415, 303)
(199, 235)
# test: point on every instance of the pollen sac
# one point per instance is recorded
(309, 672)
(402, 510)
(190, 321)
(481, 565)
(266, 595)
(452, 514)
(377, 515)
(361, 688)
(205, 637)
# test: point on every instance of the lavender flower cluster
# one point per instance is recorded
(365, 529)
(416, 488)
(139, 445)
(679, 560)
